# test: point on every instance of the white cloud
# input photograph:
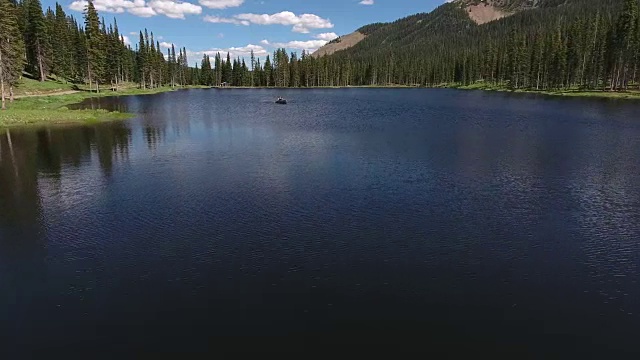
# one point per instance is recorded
(264, 42)
(126, 39)
(143, 11)
(135, 33)
(301, 23)
(366, 2)
(300, 45)
(173, 9)
(165, 45)
(170, 8)
(234, 52)
(220, 4)
(223, 20)
(326, 36)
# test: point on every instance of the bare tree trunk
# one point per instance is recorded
(10, 93)
(4, 107)
(89, 75)
(42, 77)
(617, 83)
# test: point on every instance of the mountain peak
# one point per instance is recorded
(484, 11)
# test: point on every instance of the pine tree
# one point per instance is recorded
(152, 63)
(61, 65)
(187, 79)
(171, 65)
(218, 70)
(141, 61)
(227, 76)
(268, 69)
(95, 56)
(174, 64)
(80, 53)
(11, 50)
(294, 73)
(246, 77)
(117, 53)
(253, 66)
(37, 40)
(206, 76)
(623, 44)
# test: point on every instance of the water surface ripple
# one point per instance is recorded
(408, 220)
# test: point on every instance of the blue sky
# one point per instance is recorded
(207, 26)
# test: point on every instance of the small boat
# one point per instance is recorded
(281, 101)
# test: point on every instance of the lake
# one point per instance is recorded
(348, 220)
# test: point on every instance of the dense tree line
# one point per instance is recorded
(555, 44)
(44, 43)
(586, 44)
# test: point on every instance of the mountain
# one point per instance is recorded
(532, 44)
(479, 11)
(341, 43)
(455, 16)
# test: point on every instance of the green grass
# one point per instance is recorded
(53, 109)
(28, 86)
(631, 94)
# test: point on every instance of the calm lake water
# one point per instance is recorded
(360, 219)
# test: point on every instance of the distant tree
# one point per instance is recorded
(206, 74)
(218, 70)
(11, 50)
(141, 61)
(253, 67)
(187, 79)
(61, 45)
(268, 72)
(227, 75)
(624, 44)
(171, 63)
(95, 55)
(37, 40)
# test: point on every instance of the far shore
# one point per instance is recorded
(582, 93)
(50, 107)
(629, 95)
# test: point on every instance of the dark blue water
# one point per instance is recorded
(348, 220)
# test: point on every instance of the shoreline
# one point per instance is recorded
(570, 93)
(574, 93)
(45, 109)
(51, 108)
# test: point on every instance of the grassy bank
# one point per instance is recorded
(393, 86)
(40, 104)
(631, 94)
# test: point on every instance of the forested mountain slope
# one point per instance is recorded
(545, 44)
(448, 16)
